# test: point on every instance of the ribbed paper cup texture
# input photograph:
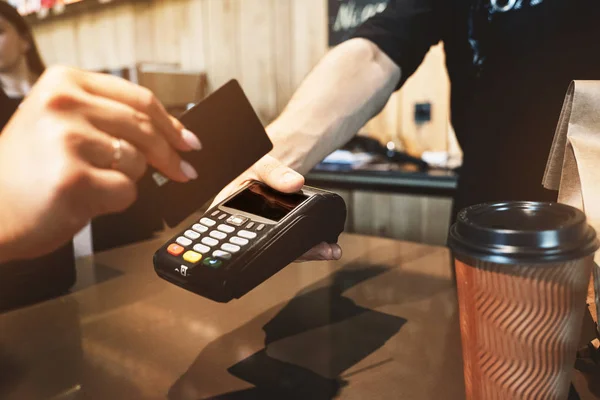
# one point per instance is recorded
(520, 327)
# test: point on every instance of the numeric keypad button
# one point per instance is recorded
(191, 234)
(210, 241)
(183, 241)
(222, 254)
(218, 235)
(208, 222)
(239, 241)
(247, 234)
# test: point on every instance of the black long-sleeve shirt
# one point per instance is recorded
(510, 63)
(8, 106)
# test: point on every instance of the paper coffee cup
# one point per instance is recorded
(522, 271)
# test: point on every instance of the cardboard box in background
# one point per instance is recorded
(174, 87)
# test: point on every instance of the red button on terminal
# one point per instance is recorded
(175, 249)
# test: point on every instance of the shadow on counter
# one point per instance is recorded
(308, 344)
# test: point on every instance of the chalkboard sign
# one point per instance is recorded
(346, 15)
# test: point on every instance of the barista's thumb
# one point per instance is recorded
(278, 176)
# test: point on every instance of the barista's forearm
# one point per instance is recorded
(346, 89)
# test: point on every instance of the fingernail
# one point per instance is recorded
(337, 252)
(191, 139)
(291, 176)
(188, 170)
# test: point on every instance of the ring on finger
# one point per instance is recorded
(117, 145)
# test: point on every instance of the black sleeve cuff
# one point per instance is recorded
(404, 32)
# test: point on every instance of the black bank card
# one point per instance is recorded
(233, 139)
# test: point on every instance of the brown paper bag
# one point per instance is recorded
(574, 164)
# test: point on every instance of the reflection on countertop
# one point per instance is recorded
(380, 324)
(316, 336)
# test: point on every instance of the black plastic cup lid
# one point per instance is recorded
(523, 232)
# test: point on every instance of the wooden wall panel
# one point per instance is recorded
(429, 84)
(435, 214)
(371, 213)
(396, 122)
(282, 38)
(169, 26)
(143, 32)
(122, 51)
(420, 219)
(223, 62)
(257, 56)
(90, 50)
(308, 38)
(57, 43)
(406, 217)
(194, 42)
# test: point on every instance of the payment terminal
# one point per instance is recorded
(247, 238)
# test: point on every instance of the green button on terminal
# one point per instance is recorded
(212, 262)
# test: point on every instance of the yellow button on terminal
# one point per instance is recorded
(192, 257)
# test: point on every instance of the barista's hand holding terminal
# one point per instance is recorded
(74, 150)
(284, 179)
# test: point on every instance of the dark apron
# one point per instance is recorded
(28, 281)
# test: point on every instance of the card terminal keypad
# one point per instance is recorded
(211, 244)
